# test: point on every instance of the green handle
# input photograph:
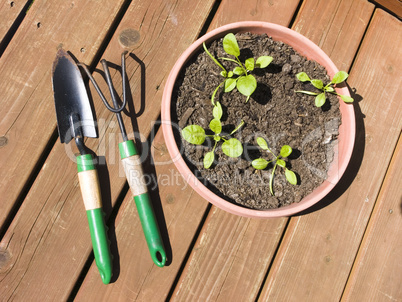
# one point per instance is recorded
(151, 229)
(90, 191)
(135, 177)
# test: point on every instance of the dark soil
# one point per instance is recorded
(274, 112)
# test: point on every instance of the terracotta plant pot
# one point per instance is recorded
(346, 138)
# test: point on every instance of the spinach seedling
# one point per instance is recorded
(261, 163)
(339, 77)
(195, 134)
(244, 82)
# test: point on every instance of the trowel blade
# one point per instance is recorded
(71, 99)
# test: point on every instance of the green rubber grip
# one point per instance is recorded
(151, 229)
(90, 191)
(134, 174)
(100, 243)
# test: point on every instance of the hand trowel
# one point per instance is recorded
(75, 119)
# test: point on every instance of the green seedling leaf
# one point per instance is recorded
(230, 74)
(317, 84)
(224, 74)
(238, 70)
(249, 63)
(339, 77)
(215, 91)
(237, 128)
(230, 84)
(281, 163)
(330, 89)
(194, 134)
(302, 76)
(291, 177)
(307, 92)
(212, 57)
(209, 159)
(262, 143)
(263, 61)
(259, 163)
(286, 150)
(346, 99)
(232, 147)
(217, 111)
(246, 84)
(216, 126)
(320, 99)
(230, 45)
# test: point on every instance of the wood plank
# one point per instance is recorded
(376, 273)
(318, 250)
(394, 6)
(279, 12)
(49, 236)
(233, 251)
(27, 112)
(160, 279)
(230, 259)
(338, 27)
(9, 11)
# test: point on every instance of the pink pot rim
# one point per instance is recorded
(305, 47)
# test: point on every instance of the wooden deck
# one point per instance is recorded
(348, 247)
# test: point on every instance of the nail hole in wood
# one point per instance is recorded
(3, 141)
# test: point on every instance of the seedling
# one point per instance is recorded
(339, 77)
(244, 82)
(261, 163)
(195, 134)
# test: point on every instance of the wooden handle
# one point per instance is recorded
(90, 189)
(135, 175)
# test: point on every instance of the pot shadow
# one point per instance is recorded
(354, 163)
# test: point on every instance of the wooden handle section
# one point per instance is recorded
(135, 175)
(90, 189)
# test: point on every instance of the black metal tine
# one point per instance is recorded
(123, 76)
(114, 110)
(111, 88)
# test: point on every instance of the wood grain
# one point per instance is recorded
(274, 11)
(27, 107)
(230, 258)
(318, 250)
(9, 11)
(337, 27)
(394, 6)
(377, 269)
(49, 236)
(90, 189)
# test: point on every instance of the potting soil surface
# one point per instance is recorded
(274, 112)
